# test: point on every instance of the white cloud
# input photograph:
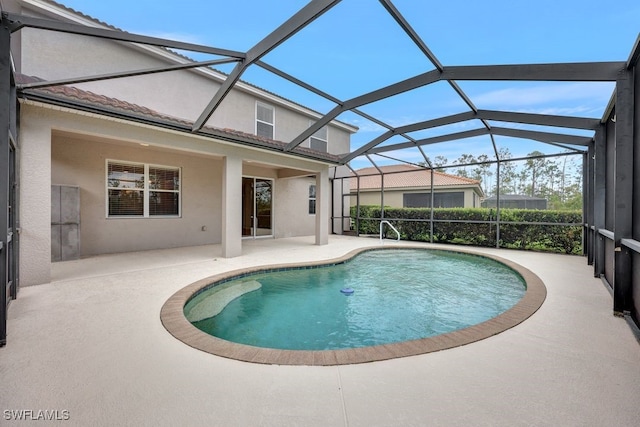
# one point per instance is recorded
(541, 95)
(365, 126)
(579, 110)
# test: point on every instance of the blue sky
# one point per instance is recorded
(357, 47)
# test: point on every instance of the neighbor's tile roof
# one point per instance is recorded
(407, 176)
(84, 99)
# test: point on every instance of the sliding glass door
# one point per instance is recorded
(257, 203)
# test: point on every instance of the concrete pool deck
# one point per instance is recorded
(90, 345)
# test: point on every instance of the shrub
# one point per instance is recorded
(519, 228)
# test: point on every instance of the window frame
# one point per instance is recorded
(317, 137)
(313, 199)
(257, 121)
(439, 197)
(146, 190)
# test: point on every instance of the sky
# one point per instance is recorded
(356, 47)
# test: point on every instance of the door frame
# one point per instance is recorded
(253, 213)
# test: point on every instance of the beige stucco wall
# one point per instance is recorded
(292, 208)
(183, 94)
(64, 147)
(35, 198)
(82, 163)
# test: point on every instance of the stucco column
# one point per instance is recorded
(232, 207)
(322, 207)
(35, 199)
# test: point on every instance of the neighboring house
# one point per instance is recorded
(515, 201)
(407, 186)
(113, 165)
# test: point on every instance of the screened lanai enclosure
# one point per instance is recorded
(574, 160)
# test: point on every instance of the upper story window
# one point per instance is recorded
(265, 120)
(142, 190)
(318, 140)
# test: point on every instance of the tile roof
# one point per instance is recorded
(86, 100)
(408, 176)
(81, 14)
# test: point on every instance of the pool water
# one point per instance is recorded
(398, 295)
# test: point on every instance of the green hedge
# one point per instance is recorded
(552, 238)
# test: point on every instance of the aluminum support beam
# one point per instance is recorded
(516, 133)
(623, 190)
(442, 121)
(395, 14)
(297, 22)
(381, 186)
(5, 131)
(385, 92)
(17, 22)
(433, 140)
(432, 196)
(323, 94)
(540, 119)
(634, 56)
(505, 116)
(123, 74)
(589, 207)
(489, 162)
(586, 71)
(498, 161)
(561, 72)
(365, 148)
(413, 35)
(297, 81)
(547, 137)
(465, 98)
(586, 193)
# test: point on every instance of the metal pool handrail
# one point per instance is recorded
(392, 227)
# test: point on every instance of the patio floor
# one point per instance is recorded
(90, 345)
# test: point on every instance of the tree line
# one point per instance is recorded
(557, 179)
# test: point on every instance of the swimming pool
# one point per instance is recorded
(379, 297)
(386, 326)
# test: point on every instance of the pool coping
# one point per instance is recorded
(175, 322)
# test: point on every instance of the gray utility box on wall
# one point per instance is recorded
(65, 222)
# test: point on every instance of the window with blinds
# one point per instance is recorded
(318, 140)
(265, 122)
(440, 200)
(142, 190)
(164, 191)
